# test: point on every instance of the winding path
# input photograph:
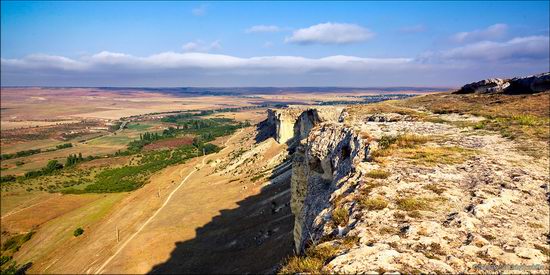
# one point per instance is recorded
(123, 245)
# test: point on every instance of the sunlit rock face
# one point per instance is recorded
(322, 163)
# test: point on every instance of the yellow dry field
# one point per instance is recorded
(151, 226)
(8, 125)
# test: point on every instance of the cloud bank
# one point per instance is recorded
(492, 32)
(330, 33)
(517, 56)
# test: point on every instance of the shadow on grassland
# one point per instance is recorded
(252, 238)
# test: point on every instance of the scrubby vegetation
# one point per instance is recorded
(371, 204)
(413, 204)
(52, 166)
(70, 179)
(378, 174)
(30, 152)
(312, 262)
(408, 146)
(514, 116)
(23, 153)
(77, 232)
(340, 216)
(9, 247)
(436, 155)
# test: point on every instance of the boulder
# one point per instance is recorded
(491, 85)
(519, 85)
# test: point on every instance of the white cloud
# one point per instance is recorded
(515, 57)
(413, 29)
(491, 32)
(330, 33)
(201, 46)
(190, 60)
(200, 10)
(263, 28)
(517, 49)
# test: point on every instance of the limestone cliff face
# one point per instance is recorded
(320, 165)
(313, 116)
(294, 123)
(282, 122)
(457, 200)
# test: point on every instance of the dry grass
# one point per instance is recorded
(367, 189)
(429, 156)
(372, 204)
(349, 241)
(413, 204)
(388, 230)
(299, 264)
(312, 262)
(512, 115)
(535, 225)
(340, 216)
(378, 174)
(434, 188)
(357, 111)
(388, 144)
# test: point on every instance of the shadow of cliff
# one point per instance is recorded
(252, 238)
(264, 131)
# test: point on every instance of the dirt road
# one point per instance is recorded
(125, 243)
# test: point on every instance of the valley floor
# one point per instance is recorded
(213, 211)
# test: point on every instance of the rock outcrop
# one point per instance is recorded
(313, 116)
(279, 124)
(523, 85)
(460, 201)
(321, 166)
(294, 123)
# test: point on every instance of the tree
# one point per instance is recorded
(77, 232)
(53, 165)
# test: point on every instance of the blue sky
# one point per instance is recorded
(270, 43)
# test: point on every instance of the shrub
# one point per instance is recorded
(300, 264)
(479, 125)
(385, 141)
(349, 241)
(340, 216)
(77, 232)
(436, 155)
(412, 204)
(4, 259)
(8, 178)
(312, 262)
(378, 174)
(15, 242)
(410, 140)
(374, 203)
(526, 120)
(434, 188)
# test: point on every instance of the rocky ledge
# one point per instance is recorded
(523, 85)
(386, 192)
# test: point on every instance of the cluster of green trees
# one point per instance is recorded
(19, 154)
(73, 159)
(144, 139)
(8, 178)
(30, 152)
(64, 145)
(52, 166)
(131, 177)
